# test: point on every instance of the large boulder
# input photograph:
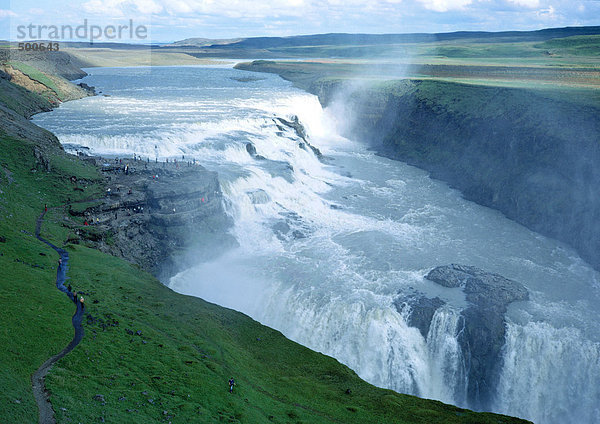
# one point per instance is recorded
(484, 330)
(421, 310)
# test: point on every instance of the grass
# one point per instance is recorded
(153, 355)
(582, 45)
(36, 322)
(37, 75)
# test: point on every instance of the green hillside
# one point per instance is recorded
(581, 45)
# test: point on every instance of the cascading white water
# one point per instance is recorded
(550, 375)
(448, 363)
(327, 247)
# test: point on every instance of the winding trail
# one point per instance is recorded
(37, 379)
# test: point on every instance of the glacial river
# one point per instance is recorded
(325, 247)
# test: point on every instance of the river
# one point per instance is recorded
(326, 246)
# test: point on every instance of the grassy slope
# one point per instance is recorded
(20, 100)
(35, 321)
(581, 45)
(37, 75)
(177, 369)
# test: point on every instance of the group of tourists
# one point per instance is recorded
(73, 295)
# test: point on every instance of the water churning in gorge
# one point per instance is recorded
(327, 247)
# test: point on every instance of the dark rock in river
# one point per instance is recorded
(251, 149)
(295, 125)
(88, 88)
(300, 132)
(259, 197)
(480, 287)
(252, 152)
(422, 310)
(483, 335)
(246, 79)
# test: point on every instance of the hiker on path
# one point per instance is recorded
(81, 300)
(45, 208)
(231, 384)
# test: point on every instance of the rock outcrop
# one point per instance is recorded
(482, 335)
(158, 215)
(25, 90)
(484, 329)
(300, 131)
(57, 63)
(421, 310)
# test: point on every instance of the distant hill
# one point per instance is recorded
(336, 39)
(203, 42)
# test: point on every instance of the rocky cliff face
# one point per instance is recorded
(483, 329)
(530, 154)
(160, 216)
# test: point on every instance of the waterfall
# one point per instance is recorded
(446, 357)
(550, 375)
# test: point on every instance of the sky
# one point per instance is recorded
(171, 20)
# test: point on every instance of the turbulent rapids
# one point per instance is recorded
(331, 250)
